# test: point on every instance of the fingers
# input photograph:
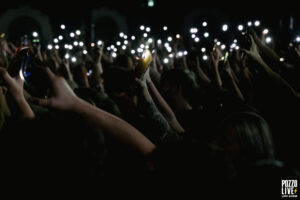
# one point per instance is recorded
(5, 75)
(41, 102)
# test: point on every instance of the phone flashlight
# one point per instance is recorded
(143, 64)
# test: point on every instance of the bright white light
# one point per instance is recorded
(249, 23)
(169, 49)
(166, 45)
(150, 3)
(72, 34)
(225, 27)
(133, 37)
(125, 42)
(204, 24)
(142, 27)
(49, 46)
(193, 35)
(180, 54)
(158, 41)
(121, 34)
(281, 59)
(108, 48)
(256, 23)
(240, 27)
(115, 49)
(206, 34)
(148, 29)
(123, 47)
(35, 34)
(177, 36)
(81, 43)
(171, 55)
(142, 46)
(66, 46)
(112, 46)
(139, 50)
(92, 44)
(203, 49)
(118, 43)
(125, 37)
(193, 30)
(56, 47)
(237, 47)
(223, 46)
(169, 39)
(204, 57)
(268, 39)
(185, 53)
(233, 45)
(235, 41)
(73, 59)
(145, 35)
(219, 43)
(84, 52)
(75, 43)
(165, 28)
(166, 60)
(298, 39)
(265, 31)
(55, 40)
(60, 37)
(197, 39)
(70, 47)
(78, 32)
(62, 26)
(132, 51)
(150, 40)
(67, 56)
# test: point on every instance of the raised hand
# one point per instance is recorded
(63, 97)
(15, 90)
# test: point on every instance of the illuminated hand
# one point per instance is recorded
(215, 57)
(15, 90)
(63, 96)
(253, 52)
(14, 85)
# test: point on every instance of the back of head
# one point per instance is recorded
(251, 134)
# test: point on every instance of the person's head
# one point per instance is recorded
(177, 83)
(246, 138)
(124, 61)
(118, 80)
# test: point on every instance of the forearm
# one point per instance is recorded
(202, 76)
(237, 89)
(218, 77)
(114, 126)
(278, 79)
(23, 109)
(164, 108)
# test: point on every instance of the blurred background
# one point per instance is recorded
(105, 19)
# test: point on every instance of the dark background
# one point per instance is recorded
(178, 15)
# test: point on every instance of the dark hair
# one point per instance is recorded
(253, 135)
(183, 78)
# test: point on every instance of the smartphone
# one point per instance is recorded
(36, 83)
(143, 64)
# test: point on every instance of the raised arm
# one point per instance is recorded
(15, 90)
(276, 78)
(64, 99)
(163, 107)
